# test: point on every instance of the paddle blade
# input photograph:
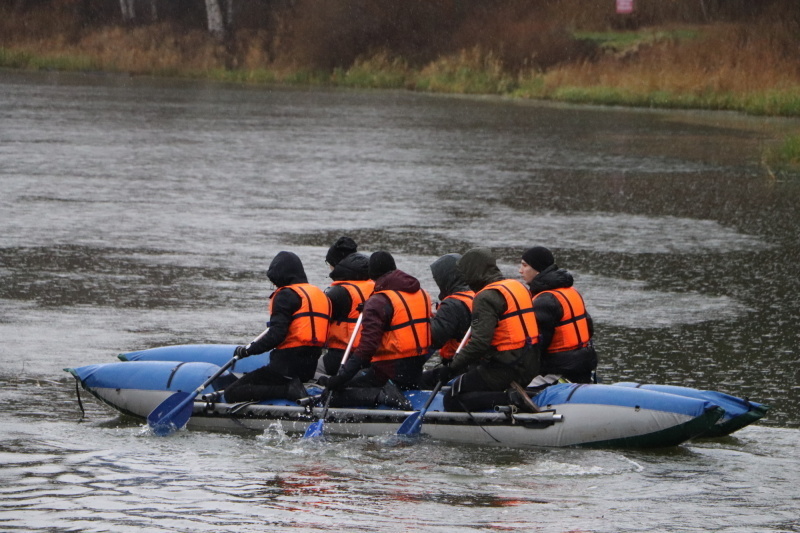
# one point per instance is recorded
(411, 425)
(171, 414)
(314, 429)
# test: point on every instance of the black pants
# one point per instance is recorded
(332, 360)
(272, 381)
(470, 392)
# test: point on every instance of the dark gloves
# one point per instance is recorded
(445, 374)
(333, 382)
(241, 352)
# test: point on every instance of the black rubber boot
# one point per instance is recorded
(295, 390)
(392, 396)
(516, 399)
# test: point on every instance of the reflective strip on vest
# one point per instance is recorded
(409, 333)
(516, 327)
(572, 331)
(309, 324)
(339, 332)
(449, 349)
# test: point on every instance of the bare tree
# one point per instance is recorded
(216, 22)
(153, 10)
(128, 8)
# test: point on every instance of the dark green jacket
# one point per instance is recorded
(479, 268)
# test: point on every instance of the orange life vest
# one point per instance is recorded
(409, 333)
(516, 327)
(340, 331)
(572, 331)
(309, 324)
(449, 349)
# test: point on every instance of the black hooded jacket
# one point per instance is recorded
(453, 317)
(354, 267)
(575, 365)
(285, 269)
(478, 269)
(547, 308)
(378, 313)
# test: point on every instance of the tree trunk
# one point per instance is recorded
(153, 11)
(229, 14)
(216, 24)
(128, 8)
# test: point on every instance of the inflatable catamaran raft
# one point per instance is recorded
(625, 415)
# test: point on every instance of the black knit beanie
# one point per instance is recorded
(380, 263)
(538, 257)
(343, 247)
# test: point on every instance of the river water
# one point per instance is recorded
(137, 213)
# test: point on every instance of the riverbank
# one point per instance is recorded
(748, 68)
(676, 68)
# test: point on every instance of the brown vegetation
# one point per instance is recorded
(737, 46)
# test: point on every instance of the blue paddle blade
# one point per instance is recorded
(411, 425)
(314, 429)
(171, 414)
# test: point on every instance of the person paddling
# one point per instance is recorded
(299, 314)
(395, 339)
(349, 291)
(453, 314)
(503, 347)
(565, 326)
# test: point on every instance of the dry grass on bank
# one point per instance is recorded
(725, 59)
(506, 50)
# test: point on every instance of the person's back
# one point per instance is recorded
(503, 345)
(349, 291)
(395, 338)
(453, 315)
(297, 330)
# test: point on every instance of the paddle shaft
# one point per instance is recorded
(463, 342)
(166, 422)
(217, 374)
(527, 399)
(352, 340)
(316, 427)
(413, 424)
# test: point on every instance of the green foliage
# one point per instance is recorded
(785, 157)
(470, 72)
(619, 41)
(28, 61)
(379, 72)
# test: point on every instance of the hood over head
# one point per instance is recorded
(343, 247)
(446, 275)
(397, 280)
(353, 267)
(286, 269)
(478, 268)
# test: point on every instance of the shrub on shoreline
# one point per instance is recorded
(504, 48)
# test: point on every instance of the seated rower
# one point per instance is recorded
(453, 314)
(395, 339)
(297, 329)
(565, 326)
(349, 291)
(503, 346)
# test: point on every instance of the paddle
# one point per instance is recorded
(173, 413)
(412, 425)
(315, 428)
(525, 398)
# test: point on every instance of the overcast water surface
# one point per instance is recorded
(137, 213)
